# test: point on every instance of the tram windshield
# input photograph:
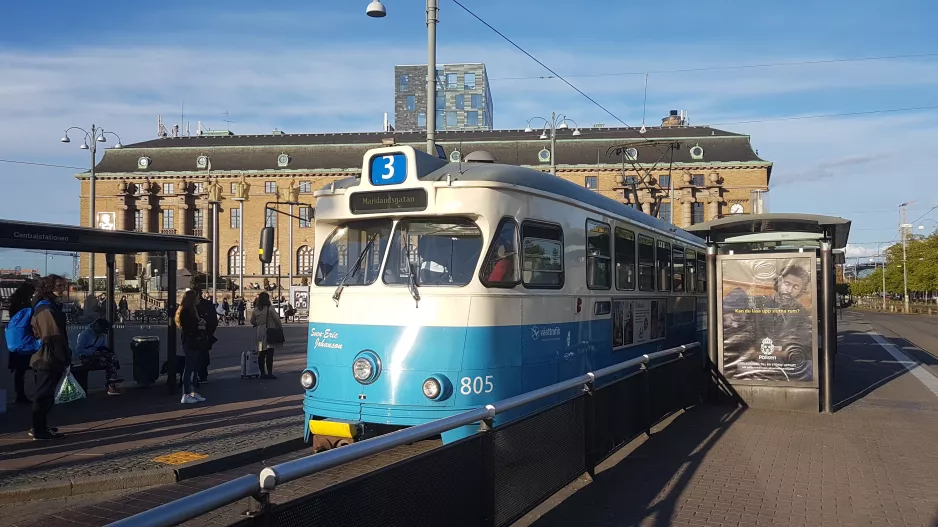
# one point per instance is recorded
(345, 246)
(444, 252)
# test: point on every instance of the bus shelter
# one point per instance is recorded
(772, 328)
(52, 237)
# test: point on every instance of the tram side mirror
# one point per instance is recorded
(266, 250)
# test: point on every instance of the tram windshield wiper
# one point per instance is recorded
(410, 268)
(355, 268)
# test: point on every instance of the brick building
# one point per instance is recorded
(162, 185)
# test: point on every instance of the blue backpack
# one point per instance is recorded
(19, 332)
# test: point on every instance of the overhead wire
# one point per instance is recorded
(40, 164)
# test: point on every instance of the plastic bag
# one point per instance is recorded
(68, 389)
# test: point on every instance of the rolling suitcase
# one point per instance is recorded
(249, 367)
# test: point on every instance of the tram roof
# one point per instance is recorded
(838, 229)
(537, 180)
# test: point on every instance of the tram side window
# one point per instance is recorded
(501, 266)
(664, 266)
(677, 280)
(625, 259)
(646, 263)
(701, 273)
(598, 255)
(542, 255)
(691, 270)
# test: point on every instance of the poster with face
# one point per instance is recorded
(767, 309)
(300, 297)
(106, 221)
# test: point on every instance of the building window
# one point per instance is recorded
(234, 261)
(422, 120)
(306, 187)
(696, 213)
(697, 180)
(270, 187)
(475, 100)
(591, 182)
(598, 255)
(411, 103)
(274, 266)
(270, 218)
(198, 219)
(138, 221)
(405, 82)
(440, 119)
(625, 259)
(451, 119)
(234, 188)
(306, 214)
(198, 188)
(664, 181)
(664, 266)
(169, 219)
(472, 118)
(541, 256)
(646, 263)
(451, 81)
(664, 212)
(236, 218)
(304, 260)
(460, 102)
(439, 78)
(169, 188)
(470, 81)
(440, 102)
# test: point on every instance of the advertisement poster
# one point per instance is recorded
(623, 324)
(106, 221)
(299, 297)
(768, 318)
(642, 309)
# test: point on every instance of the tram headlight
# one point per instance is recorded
(308, 379)
(432, 388)
(366, 367)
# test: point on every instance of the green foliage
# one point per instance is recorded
(922, 261)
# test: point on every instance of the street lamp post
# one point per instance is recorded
(880, 253)
(91, 140)
(376, 10)
(905, 228)
(556, 122)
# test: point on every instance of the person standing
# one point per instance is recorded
(268, 333)
(193, 338)
(21, 299)
(207, 312)
(53, 357)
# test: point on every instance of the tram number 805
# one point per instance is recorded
(477, 385)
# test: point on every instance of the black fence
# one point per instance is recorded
(497, 476)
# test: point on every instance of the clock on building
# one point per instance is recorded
(736, 209)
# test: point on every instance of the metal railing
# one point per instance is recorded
(260, 487)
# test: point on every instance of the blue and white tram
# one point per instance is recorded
(441, 287)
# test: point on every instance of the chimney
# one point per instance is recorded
(674, 118)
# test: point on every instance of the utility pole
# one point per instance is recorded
(905, 268)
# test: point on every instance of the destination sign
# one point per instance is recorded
(409, 200)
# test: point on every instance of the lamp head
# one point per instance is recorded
(376, 10)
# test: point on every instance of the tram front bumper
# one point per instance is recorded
(343, 429)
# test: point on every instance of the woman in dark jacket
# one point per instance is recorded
(192, 332)
(52, 359)
(21, 299)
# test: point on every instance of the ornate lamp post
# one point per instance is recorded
(556, 122)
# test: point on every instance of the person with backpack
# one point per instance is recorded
(206, 311)
(53, 357)
(19, 338)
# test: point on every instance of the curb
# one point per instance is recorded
(135, 479)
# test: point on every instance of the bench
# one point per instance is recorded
(80, 372)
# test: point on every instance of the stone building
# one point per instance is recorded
(163, 185)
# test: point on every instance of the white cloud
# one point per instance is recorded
(854, 251)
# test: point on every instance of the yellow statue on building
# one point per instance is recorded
(214, 191)
(242, 189)
(294, 193)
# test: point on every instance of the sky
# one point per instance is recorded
(324, 66)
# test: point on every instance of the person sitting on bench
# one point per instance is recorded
(94, 353)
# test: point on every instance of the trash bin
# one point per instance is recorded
(146, 353)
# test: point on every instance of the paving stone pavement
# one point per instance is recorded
(871, 463)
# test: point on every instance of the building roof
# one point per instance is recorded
(537, 180)
(345, 150)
